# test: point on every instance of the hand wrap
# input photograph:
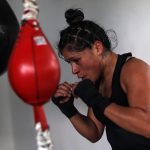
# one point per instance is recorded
(87, 91)
(67, 108)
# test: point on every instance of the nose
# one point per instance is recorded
(75, 68)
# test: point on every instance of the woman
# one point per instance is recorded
(116, 88)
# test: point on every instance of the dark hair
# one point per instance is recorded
(80, 33)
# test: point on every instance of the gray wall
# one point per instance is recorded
(130, 20)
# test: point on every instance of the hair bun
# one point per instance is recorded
(73, 16)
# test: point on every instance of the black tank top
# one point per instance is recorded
(119, 138)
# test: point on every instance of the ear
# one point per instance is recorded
(98, 46)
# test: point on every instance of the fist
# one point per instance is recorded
(64, 91)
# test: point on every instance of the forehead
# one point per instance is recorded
(67, 54)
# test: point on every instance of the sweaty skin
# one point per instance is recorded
(135, 82)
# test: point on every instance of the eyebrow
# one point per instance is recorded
(70, 59)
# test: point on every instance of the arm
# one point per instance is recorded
(135, 81)
(88, 126)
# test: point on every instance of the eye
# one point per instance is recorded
(77, 61)
(67, 61)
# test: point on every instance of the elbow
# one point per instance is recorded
(94, 139)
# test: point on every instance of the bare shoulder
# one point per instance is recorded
(135, 81)
(135, 68)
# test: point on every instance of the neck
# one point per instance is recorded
(105, 82)
(109, 63)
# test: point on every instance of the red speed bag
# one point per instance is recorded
(33, 68)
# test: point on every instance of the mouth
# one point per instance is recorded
(83, 78)
(80, 77)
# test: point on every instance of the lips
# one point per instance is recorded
(82, 78)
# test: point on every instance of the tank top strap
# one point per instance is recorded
(116, 87)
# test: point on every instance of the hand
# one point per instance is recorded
(84, 89)
(64, 91)
(74, 85)
(64, 99)
(87, 91)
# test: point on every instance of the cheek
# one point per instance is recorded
(93, 69)
(91, 66)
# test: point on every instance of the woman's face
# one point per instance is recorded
(85, 64)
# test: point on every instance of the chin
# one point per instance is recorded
(93, 80)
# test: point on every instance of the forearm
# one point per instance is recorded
(132, 119)
(86, 127)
